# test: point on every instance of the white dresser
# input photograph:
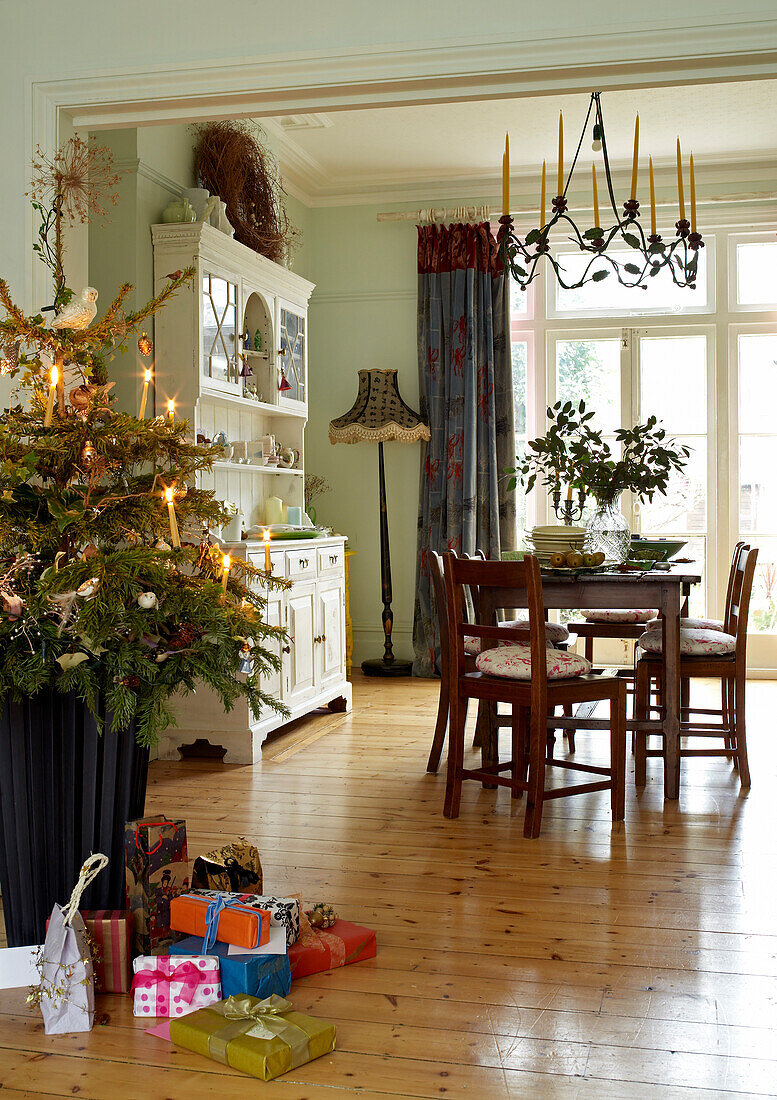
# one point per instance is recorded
(312, 612)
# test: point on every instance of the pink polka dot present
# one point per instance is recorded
(173, 985)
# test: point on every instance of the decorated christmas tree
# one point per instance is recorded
(110, 586)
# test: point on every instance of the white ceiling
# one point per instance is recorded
(455, 149)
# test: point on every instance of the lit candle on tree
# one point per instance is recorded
(560, 153)
(169, 497)
(680, 194)
(53, 379)
(226, 562)
(267, 562)
(144, 398)
(171, 410)
(635, 159)
(693, 197)
(506, 176)
(652, 200)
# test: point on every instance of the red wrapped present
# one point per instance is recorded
(111, 933)
(318, 950)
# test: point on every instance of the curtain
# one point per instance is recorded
(466, 388)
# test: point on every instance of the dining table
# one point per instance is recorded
(667, 590)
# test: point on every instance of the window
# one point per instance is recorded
(756, 274)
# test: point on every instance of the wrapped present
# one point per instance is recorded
(259, 975)
(235, 867)
(264, 1038)
(220, 918)
(156, 863)
(318, 950)
(65, 994)
(111, 932)
(284, 911)
(166, 985)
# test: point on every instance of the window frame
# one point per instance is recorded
(734, 240)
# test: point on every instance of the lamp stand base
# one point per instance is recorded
(378, 667)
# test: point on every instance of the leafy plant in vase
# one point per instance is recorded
(574, 452)
(112, 599)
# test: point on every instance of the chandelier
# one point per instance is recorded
(648, 255)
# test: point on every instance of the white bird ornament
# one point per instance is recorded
(79, 313)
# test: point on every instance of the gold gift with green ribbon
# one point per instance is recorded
(262, 1037)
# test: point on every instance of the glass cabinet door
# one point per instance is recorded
(291, 356)
(219, 330)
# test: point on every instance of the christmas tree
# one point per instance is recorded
(110, 587)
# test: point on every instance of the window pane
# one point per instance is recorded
(521, 499)
(757, 274)
(590, 370)
(519, 299)
(684, 508)
(661, 292)
(674, 381)
(757, 382)
(520, 358)
(763, 601)
(757, 484)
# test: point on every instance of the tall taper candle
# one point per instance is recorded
(693, 197)
(267, 562)
(596, 197)
(171, 409)
(176, 539)
(226, 561)
(680, 194)
(652, 200)
(53, 379)
(506, 176)
(560, 154)
(144, 397)
(542, 198)
(635, 159)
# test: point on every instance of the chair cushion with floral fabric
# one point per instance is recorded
(618, 615)
(554, 633)
(690, 624)
(693, 643)
(514, 663)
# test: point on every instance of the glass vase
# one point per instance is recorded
(608, 531)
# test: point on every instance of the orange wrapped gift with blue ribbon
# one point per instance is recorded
(220, 918)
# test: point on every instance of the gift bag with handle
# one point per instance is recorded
(66, 990)
(156, 861)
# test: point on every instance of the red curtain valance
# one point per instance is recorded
(458, 247)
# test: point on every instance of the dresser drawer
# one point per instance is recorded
(331, 559)
(301, 563)
(277, 560)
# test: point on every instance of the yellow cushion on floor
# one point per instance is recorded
(693, 643)
(514, 663)
(691, 624)
(554, 632)
(618, 615)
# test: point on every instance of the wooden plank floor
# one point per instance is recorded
(636, 961)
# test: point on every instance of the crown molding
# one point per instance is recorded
(148, 172)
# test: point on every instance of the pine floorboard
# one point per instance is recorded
(638, 960)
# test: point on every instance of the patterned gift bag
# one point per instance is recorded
(234, 866)
(156, 862)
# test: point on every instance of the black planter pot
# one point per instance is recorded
(66, 790)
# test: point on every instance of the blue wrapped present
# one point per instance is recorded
(257, 975)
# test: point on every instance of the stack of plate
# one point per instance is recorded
(544, 541)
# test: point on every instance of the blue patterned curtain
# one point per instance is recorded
(465, 374)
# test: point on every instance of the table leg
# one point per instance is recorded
(671, 683)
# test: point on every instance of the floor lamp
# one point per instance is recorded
(379, 415)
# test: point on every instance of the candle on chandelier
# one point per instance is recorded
(175, 537)
(560, 153)
(226, 562)
(542, 198)
(652, 200)
(267, 562)
(53, 379)
(596, 197)
(680, 194)
(506, 177)
(693, 197)
(635, 159)
(171, 410)
(144, 397)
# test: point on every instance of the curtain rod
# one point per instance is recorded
(434, 214)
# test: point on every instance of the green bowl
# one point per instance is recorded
(661, 549)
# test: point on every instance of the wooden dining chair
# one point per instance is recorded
(532, 679)
(558, 635)
(710, 654)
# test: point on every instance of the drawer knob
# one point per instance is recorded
(287, 649)
(333, 558)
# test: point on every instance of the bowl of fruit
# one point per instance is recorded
(577, 559)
